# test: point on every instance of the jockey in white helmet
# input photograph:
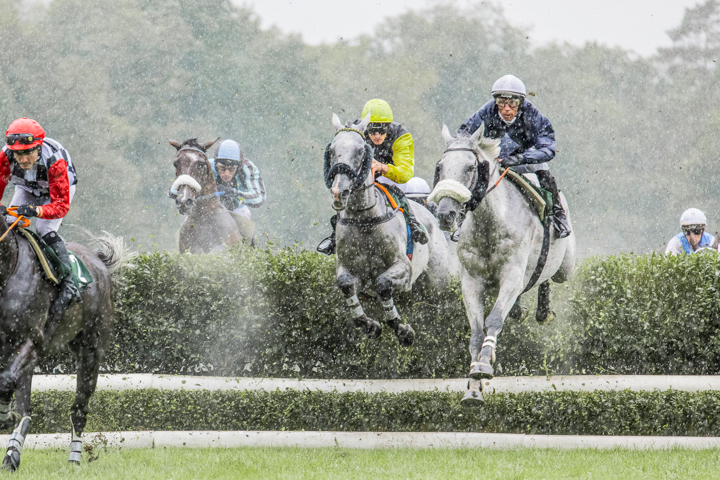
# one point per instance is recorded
(693, 237)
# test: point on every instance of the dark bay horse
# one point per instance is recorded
(208, 225)
(26, 296)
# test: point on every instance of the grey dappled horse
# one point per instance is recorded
(26, 338)
(499, 245)
(371, 237)
(208, 225)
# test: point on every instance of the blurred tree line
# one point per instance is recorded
(637, 137)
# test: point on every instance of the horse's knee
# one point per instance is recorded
(346, 283)
(384, 288)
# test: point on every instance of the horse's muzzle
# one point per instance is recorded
(184, 205)
(340, 198)
(448, 210)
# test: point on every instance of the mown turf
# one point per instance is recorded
(330, 463)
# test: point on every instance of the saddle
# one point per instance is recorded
(540, 199)
(54, 269)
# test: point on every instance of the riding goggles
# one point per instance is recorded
(377, 128)
(514, 102)
(21, 138)
(695, 231)
(226, 168)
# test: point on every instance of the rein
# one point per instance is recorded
(12, 211)
(204, 154)
(367, 223)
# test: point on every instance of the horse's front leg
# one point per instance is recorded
(511, 285)
(473, 293)
(347, 283)
(399, 275)
(18, 376)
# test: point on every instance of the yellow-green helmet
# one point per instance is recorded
(381, 112)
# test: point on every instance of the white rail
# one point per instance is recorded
(585, 383)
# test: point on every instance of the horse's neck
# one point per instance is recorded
(364, 203)
(495, 203)
(8, 253)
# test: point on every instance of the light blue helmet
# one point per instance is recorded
(229, 150)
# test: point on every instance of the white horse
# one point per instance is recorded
(499, 246)
(372, 236)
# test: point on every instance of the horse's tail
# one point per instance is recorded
(112, 251)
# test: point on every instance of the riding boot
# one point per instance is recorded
(417, 229)
(327, 246)
(68, 293)
(559, 219)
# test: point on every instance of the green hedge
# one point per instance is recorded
(647, 314)
(257, 313)
(561, 413)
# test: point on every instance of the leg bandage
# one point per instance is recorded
(75, 447)
(355, 307)
(390, 310)
(4, 411)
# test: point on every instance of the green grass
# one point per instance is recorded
(348, 464)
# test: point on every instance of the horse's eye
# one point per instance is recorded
(175, 164)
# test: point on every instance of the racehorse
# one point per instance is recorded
(500, 245)
(26, 338)
(372, 236)
(208, 226)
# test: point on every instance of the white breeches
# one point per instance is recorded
(244, 211)
(387, 181)
(43, 226)
(530, 168)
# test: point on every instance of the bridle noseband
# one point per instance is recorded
(479, 190)
(204, 154)
(356, 176)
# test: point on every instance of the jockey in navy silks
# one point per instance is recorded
(693, 237)
(44, 179)
(393, 165)
(527, 138)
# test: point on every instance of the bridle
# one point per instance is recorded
(356, 176)
(478, 190)
(204, 154)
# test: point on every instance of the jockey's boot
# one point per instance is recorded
(560, 222)
(327, 246)
(417, 229)
(68, 293)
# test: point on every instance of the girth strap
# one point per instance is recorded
(542, 259)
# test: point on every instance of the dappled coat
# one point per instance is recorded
(530, 134)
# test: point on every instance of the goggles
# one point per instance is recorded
(21, 138)
(221, 167)
(694, 230)
(377, 128)
(514, 102)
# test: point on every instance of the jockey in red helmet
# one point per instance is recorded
(44, 179)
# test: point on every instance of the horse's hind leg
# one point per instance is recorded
(88, 354)
(346, 282)
(18, 376)
(404, 332)
(543, 314)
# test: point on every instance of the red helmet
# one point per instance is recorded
(24, 134)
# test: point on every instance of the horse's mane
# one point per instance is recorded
(489, 147)
(192, 142)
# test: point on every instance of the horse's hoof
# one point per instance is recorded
(482, 371)
(405, 335)
(11, 462)
(74, 462)
(518, 314)
(550, 316)
(472, 399)
(373, 329)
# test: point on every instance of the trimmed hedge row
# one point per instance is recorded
(560, 413)
(257, 313)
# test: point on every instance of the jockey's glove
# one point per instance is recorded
(27, 211)
(3, 210)
(512, 161)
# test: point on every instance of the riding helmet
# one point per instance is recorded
(381, 112)
(35, 133)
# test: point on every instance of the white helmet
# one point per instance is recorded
(692, 216)
(417, 187)
(509, 84)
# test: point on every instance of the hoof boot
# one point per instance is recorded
(550, 316)
(482, 371)
(11, 462)
(370, 327)
(472, 399)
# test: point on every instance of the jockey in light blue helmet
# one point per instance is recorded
(238, 177)
(693, 237)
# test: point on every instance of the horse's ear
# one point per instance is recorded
(475, 137)
(336, 122)
(365, 121)
(175, 144)
(209, 144)
(446, 134)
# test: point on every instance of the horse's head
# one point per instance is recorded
(348, 160)
(462, 174)
(192, 172)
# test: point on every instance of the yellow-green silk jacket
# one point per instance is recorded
(397, 151)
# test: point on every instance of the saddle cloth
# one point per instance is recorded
(54, 269)
(539, 198)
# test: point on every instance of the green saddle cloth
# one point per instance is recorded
(540, 198)
(54, 269)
